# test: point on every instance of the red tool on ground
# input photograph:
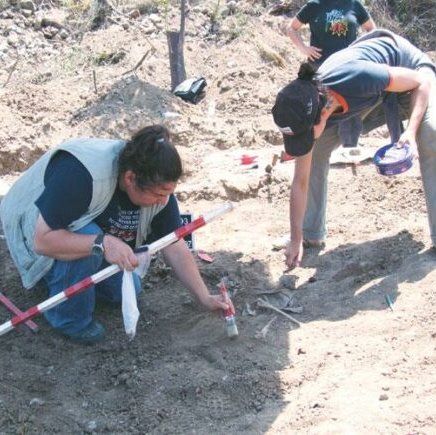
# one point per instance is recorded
(81, 286)
(248, 160)
(229, 314)
(205, 256)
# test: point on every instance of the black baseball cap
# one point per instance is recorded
(295, 112)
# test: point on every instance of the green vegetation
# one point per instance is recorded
(215, 15)
(105, 58)
(416, 20)
(75, 7)
(236, 25)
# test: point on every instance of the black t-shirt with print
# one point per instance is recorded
(68, 193)
(333, 23)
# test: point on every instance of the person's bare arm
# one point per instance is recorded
(419, 84)
(180, 259)
(297, 208)
(312, 53)
(64, 245)
(61, 244)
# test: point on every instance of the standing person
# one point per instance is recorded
(353, 82)
(87, 204)
(334, 25)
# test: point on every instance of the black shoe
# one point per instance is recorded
(93, 333)
(315, 244)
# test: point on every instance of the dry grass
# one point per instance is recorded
(269, 55)
(416, 20)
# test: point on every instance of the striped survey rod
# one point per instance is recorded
(85, 283)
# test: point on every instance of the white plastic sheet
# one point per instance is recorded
(129, 305)
(144, 259)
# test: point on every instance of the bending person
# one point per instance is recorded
(334, 25)
(353, 82)
(87, 204)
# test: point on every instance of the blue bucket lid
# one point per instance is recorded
(392, 160)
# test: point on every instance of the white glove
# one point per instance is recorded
(129, 305)
(144, 259)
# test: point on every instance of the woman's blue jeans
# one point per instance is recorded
(76, 313)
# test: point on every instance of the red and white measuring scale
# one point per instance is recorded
(82, 285)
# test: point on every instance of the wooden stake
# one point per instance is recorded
(94, 78)
(15, 310)
(10, 72)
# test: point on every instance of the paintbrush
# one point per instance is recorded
(229, 314)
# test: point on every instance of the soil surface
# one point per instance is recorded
(351, 364)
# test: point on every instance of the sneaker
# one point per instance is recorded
(93, 333)
(316, 244)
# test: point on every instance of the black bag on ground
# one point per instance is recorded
(190, 89)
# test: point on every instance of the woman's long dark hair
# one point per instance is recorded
(151, 157)
(308, 73)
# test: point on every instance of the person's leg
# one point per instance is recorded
(426, 147)
(314, 219)
(75, 314)
(427, 160)
(349, 132)
(392, 116)
(314, 228)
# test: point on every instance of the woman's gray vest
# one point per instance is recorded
(19, 213)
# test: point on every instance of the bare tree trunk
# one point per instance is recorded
(175, 48)
(98, 12)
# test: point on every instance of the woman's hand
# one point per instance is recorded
(294, 254)
(312, 53)
(214, 303)
(409, 138)
(420, 84)
(180, 259)
(120, 253)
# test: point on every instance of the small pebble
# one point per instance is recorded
(36, 402)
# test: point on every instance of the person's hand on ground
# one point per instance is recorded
(294, 254)
(214, 302)
(120, 253)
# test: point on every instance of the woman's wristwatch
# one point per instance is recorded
(98, 247)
